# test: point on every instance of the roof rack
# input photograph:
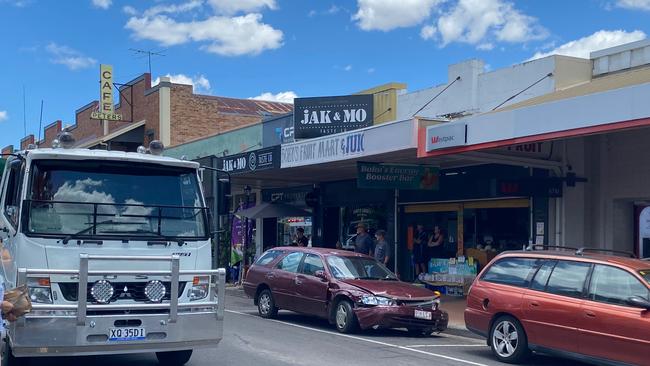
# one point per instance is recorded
(533, 247)
(581, 251)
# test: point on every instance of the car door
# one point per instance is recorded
(283, 283)
(550, 310)
(311, 290)
(609, 327)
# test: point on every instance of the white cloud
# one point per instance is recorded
(103, 4)
(129, 10)
(333, 10)
(475, 21)
(428, 32)
(312, 13)
(371, 70)
(347, 67)
(229, 7)
(225, 36)
(201, 83)
(634, 4)
(385, 15)
(597, 41)
(283, 97)
(69, 57)
(173, 8)
(3, 116)
(485, 46)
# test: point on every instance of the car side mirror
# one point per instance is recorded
(321, 275)
(639, 302)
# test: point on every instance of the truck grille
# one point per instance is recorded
(135, 291)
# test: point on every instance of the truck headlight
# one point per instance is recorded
(200, 288)
(371, 300)
(39, 291)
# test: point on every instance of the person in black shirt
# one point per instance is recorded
(301, 240)
(419, 250)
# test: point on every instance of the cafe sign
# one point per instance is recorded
(397, 176)
(106, 104)
(261, 159)
(315, 117)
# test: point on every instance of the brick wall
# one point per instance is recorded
(7, 150)
(26, 141)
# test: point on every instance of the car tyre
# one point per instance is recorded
(266, 305)
(174, 358)
(344, 317)
(508, 340)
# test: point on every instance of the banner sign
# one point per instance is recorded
(393, 176)
(261, 159)
(242, 229)
(106, 103)
(446, 135)
(375, 140)
(322, 116)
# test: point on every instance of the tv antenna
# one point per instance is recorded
(148, 54)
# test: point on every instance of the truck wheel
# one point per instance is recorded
(508, 340)
(266, 305)
(174, 358)
(344, 318)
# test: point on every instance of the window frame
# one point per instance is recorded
(632, 274)
(287, 255)
(543, 262)
(585, 284)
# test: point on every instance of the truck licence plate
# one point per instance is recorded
(126, 334)
(421, 314)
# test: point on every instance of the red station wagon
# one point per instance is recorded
(350, 290)
(589, 307)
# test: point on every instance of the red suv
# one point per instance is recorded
(589, 307)
(350, 290)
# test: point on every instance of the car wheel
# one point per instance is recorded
(174, 358)
(266, 305)
(344, 318)
(508, 340)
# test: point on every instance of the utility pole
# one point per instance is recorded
(148, 54)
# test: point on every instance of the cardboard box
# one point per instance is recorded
(481, 256)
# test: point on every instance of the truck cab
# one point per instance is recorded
(115, 251)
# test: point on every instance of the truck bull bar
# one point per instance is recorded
(217, 281)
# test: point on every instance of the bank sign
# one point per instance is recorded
(261, 159)
(315, 117)
(394, 176)
(380, 139)
(446, 135)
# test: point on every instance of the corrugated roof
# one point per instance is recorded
(251, 106)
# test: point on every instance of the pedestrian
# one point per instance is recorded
(436, 245)
(382, 248)
(419, 251)
(301, 240)
(363, 242)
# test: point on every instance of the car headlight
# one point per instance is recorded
(371, 300)
(436, 304)
(41, 295)
(200, 288)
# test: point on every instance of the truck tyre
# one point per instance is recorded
(174, 358)
(266, 305)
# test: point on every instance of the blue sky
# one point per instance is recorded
(276, 49)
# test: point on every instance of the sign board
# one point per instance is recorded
(261, 159)
(322, 116)
(277, 131)
(446, 135)
(392, 176)
(384, 138)
(106, 104)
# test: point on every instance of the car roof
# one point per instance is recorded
(631, 263)
(321, 251)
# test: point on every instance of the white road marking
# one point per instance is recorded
(406, 348)
(444, 345)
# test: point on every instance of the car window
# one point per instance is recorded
(268, 257)
(13, 192)
(290, 262)
(614, 285)
(511, 271)
(645, 274)
(568, 278)
(311, 264)
(542, 275)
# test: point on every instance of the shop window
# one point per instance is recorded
(568, 278)
(291, 262)
(511, 271)
(614, 286)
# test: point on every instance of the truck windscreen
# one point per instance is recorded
(98, 198)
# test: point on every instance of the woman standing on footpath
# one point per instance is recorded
(436, 244)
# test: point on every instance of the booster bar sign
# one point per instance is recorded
(315, 117)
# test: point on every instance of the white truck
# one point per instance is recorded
(115, 250)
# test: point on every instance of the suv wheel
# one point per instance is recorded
(266, 305)
(344, 318)
(508, 340)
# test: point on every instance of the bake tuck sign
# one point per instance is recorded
(315, 117)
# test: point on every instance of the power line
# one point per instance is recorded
(436, 96)
(531, 85)
(148, 54)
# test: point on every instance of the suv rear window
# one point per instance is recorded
(568, 278)
(511, 271)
